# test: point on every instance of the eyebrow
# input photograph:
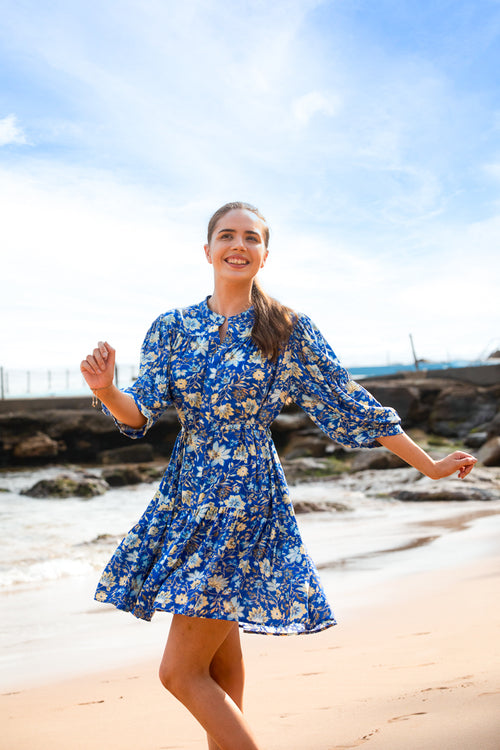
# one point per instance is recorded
(247, 231)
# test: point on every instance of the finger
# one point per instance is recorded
(467, 460)
(465, 470)
(460, 455)
(85, 367)
(101, 364)
(103, 350)
(92, 365)
(111, 354)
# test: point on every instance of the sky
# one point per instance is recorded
(368, 134)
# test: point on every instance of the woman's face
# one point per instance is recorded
(237, 248)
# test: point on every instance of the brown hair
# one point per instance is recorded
(273, 322)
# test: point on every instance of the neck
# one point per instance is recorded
(228, 300)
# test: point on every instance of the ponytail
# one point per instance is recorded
(273, 323)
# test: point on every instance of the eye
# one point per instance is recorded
(225, 236)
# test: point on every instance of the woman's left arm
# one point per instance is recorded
(404, 447)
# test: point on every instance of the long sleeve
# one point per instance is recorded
(342, 408)
(151, 389)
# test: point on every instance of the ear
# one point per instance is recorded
(263, 263)
(207, 253)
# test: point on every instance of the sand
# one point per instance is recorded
(415, 667)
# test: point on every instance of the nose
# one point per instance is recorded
(239, 242)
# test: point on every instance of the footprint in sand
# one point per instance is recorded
(362, 739)
(407, 716)
(370, 734)
(493, 692)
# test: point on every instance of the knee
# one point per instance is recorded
(169, 678)
(179, 678)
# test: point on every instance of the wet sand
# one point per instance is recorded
(413, 664)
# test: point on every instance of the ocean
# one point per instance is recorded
(53, 551)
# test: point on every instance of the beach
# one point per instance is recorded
(413, 662)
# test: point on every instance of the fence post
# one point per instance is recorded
(2, 387)
(116, 376)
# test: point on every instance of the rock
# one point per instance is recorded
(130, 454)
(309, 506)
(489, 455)
(376, 458)
(476, 439)
(122, 476)
(286, 422)
(446, 494)
(38, 445)
(64, 486)
(306, 445)
(151, 473)
(305, 469)
(401, 397)
(460, 408)
(493, 427)
(61, 422)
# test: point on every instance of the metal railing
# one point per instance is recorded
(54, 381)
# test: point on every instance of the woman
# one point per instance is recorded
(218, 546)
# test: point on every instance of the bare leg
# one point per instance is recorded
(192, 644)
(227, 669)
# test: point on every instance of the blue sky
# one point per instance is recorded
(367, 132)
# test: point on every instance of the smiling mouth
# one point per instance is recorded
(237, 261)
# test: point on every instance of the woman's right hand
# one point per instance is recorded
(98, 368)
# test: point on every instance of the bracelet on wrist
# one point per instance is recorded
(95, 397)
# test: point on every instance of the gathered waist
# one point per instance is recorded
(211, 429)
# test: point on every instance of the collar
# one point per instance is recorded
(239, 323)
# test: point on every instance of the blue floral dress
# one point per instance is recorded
(219, 539)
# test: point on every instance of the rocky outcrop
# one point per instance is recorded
(461, 408)
(38, 445)
(129, 454)
(70, 430)
(121, 476)
(64, 486)
(376, 458)
(489, 455)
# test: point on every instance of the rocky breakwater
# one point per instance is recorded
(440, 413)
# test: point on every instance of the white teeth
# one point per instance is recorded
(235, 262)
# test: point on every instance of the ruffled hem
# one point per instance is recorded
(292, 628)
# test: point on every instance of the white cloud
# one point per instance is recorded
(357, 150)
(10, 132)
(91, 257)
(315, 102)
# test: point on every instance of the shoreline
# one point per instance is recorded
(42, 622)
(409, 665)
(392, 676)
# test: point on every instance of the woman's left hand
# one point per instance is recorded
(458, 461)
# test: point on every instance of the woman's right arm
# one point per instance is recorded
(98, 369)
